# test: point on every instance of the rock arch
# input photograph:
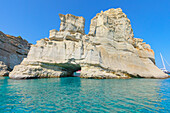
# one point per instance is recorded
(108, 51)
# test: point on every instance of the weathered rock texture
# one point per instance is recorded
(12, 51)
(108, 51)
(3, 69)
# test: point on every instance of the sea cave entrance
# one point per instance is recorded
(73, 70)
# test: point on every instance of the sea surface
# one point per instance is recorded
(74, 94)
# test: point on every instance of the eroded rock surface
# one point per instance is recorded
(108, 51)
(12, 51)
(3, 69)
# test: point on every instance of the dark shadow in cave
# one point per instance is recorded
(72, 69)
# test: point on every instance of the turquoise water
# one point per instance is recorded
(73, 94)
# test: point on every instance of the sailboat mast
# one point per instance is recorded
(163, 61)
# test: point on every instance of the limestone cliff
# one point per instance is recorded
(12, 51)
(108, 51)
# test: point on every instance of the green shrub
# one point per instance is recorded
(19, 37)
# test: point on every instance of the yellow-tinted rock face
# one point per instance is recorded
(108, 51)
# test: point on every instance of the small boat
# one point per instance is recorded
(164, 68)
(77, 73)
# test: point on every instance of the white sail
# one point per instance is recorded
(164, 67)
(163, 62)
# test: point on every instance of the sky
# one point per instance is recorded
(32, 19)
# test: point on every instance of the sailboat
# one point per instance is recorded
(164, 68)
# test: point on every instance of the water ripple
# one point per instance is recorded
(85, 95)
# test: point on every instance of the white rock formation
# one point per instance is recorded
(71, 23)
(108, 51)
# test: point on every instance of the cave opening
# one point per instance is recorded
(73, 70)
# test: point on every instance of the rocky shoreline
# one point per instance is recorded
(109, 50)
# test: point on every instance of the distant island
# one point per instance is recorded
(109, 50)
